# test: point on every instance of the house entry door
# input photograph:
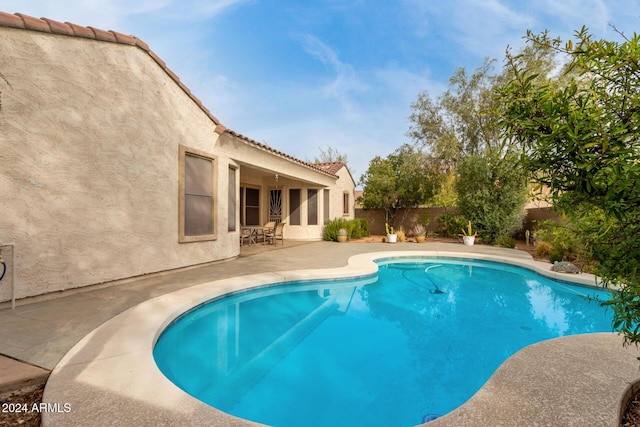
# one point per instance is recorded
(275, 205)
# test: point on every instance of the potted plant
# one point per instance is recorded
(420, 232)
(468, 235)
(391, 235)
(342, 235)
(401, 234)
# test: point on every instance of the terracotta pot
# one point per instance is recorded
(420, 238)
(342, 238)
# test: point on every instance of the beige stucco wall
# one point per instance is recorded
(89, 135)
(344, 184)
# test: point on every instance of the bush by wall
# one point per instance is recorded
(359, 228)
(356, 228)
(561, 242)
(450, 225)
(506, 242)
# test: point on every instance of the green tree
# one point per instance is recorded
(462, 129)
(406, 179)
(581, 139)
(446, 196)
(460, 122)
(492, 192)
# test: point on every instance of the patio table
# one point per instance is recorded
(256, 232)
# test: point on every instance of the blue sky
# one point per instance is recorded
(304, 75)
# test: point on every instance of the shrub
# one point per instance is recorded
(360, 228)
(543, 248)
(506, 242)
(450, 225)
(564, 241)
(401, 235)
(424, 218)
(356, 228)
(556, 254)
(492, 194)
(331, 228)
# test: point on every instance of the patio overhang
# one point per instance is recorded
(265, 162)
(280, 177)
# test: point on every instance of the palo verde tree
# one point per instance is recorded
(463, 121)
(580, 137)
(406, 179)
(330, 155)
(460, 122)
(461, 129)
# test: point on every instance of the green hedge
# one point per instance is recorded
(356, 228)
(451, 225)
(359, 228)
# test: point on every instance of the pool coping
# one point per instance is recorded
(111, 375)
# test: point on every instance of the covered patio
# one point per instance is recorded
(276, 188)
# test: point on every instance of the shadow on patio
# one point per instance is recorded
(258, 248)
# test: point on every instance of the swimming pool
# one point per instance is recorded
(418, 339)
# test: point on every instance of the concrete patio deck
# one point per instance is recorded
(576, 380)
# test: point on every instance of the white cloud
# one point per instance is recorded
(113, 14)
(573, 14)
(104, 14)
(344, 78)
(213, 7)
(200, 10)
(470, 28)
(485, 28)
(405, 85)
(497, 13)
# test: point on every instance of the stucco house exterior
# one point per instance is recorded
(110, 168)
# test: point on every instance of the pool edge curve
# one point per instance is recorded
(111, 371)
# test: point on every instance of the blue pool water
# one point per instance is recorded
(418, 339)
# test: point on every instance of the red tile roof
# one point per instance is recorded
(334, 167)
(51, 26)
(331, 167)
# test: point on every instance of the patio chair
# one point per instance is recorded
(266, 229)
(276, 234)
(245, 233)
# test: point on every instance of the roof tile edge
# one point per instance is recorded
(265, 147)
(11, 21)
(80, 31)
(59, 27)
(103, 35)
(35, 24)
